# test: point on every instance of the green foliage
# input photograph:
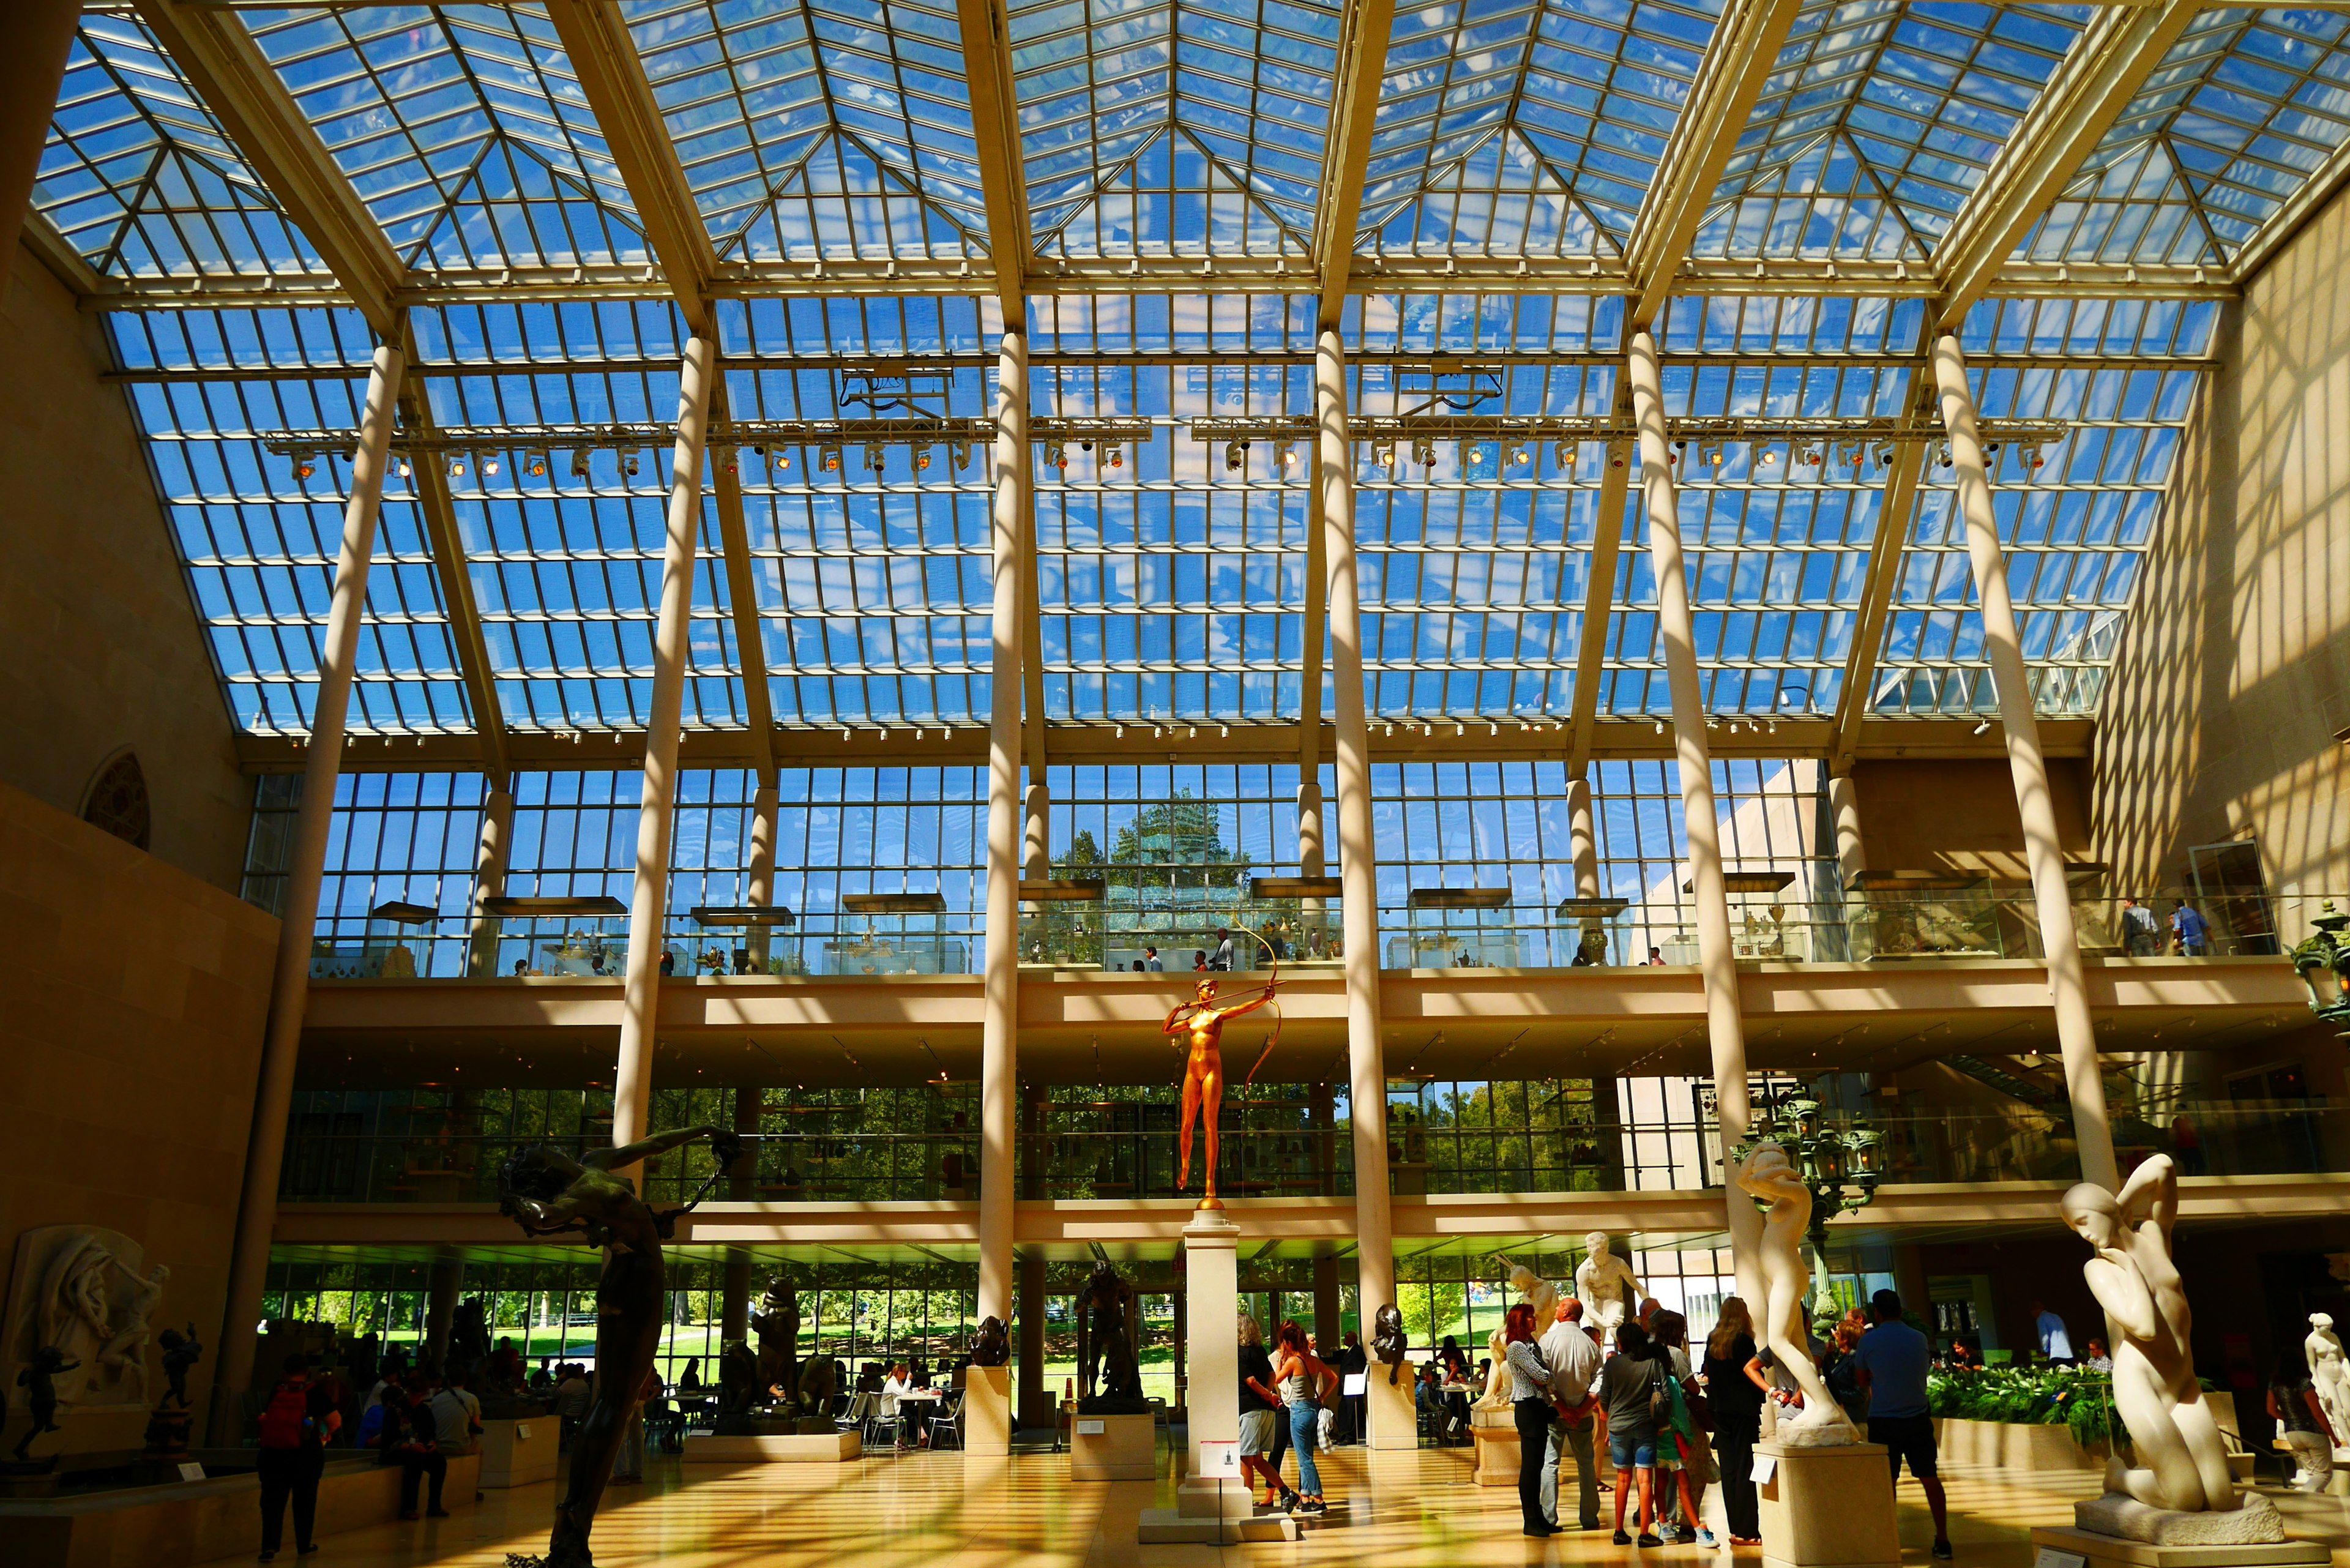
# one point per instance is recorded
(2068, 1396)
(1175, 843)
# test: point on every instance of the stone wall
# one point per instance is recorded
(2233, 674)
(100, 645)
(133, 1040)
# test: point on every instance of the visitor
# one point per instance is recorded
(1260, 1409)
(1224, 960)
(669, 964)
(2139, 939)
(1891, 1359)
(521, 968)
(2055, 1343)
(1304, 1382)
(1686, 1460)
(1199, 961)
(543, 1378)
(688, 1382)
(389, 1407)
(415, 1446)
(1151, 962)
(2302, 1432)
(895, 1409)
(1656, 957)
(295, 1423)
(628, 1464)
(1573, 1358)
(2188, 931)
(1964, 1357)
(1628, 1389)
(1736, 1402)
(1841, 1372)
(456, 1416)
(573, 1395)
(1529, 1403)
(2186, 1144)
(2098, 1359)
(1353, 1363)
(1428, 1399)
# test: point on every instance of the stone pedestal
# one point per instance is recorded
(2110, 1551)
(1498, 1448)
(775, 1448)
(1394, 1420)
(1828, 1508)
(1212, 1299)
(520, 1453)
(987, 1410)
(1113, 1448)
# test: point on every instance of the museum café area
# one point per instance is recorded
(1134, 783)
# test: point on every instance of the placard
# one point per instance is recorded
(521, 1431)
(1220, 1456)
(192, 1469)
(2050, 1557)
(1093, 1429)
(1765, 1466)
(1355, 1385)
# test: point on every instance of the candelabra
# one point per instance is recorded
(1841, 1166)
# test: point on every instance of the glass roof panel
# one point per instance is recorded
(258, 540)
(140, 179)
(463, 129)
(1173, 127)
(829, 128)
(1527, 127)
(2075, 528)
(2245, 108)
(1881, 118)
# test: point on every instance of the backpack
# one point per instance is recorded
(283, 1418)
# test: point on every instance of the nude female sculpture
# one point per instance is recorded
(1775, 1240)
(1203, 1074)
(546, 1191)
(2329, 1375)
(2182, 1460)
(1602, 1282)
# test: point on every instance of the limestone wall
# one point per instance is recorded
(133, 1040)
(2233, 676)
(99, 647)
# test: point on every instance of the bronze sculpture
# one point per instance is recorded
(546, 1191)
(179, 1352)
(777, 1324)
(39, 1379)
(1203, 1074)
(992, 1346)
(1110, 1353)
(1388, 1341)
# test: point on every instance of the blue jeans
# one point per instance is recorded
(1305, 1420)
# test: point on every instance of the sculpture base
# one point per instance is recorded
(987, 1411)
(1394, 1420)
(2253, 1522)
(1827, 1507)
(2107, 1551)
(519, 1453)
(830, 1449)
(1113, 1448)
(1173, 1527)
(1499, 1452)
(1105, 1405)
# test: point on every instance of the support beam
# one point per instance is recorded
(1896, 510)
(491, 854)
(1359, 910)
(996, 136)
(1346, 149)
(1000, 975)
(742, 600)
(1037, 802)
(632, 1080)
(2103, 71)
(760, 886)
(1738, 61)
(428, 483)
(1725, 1028)
(1583, 838)
(1599, 600)
(66, 264)
(2308, 199)
(595, 36)
(1312, 857)
(241, 87)
(35, 41)
(734, 1283)
(2042, 852)
(289, 988)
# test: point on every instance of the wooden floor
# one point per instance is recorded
(929, 1511)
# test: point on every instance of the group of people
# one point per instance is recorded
(2190, 933)
(1283, 1392)
(414, 1417)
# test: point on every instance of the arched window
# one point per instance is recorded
(117, 800)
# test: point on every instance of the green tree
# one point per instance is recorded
(1175, 843)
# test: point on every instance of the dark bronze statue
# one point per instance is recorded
(180, 1352)
(777, 1324)
(1111, 1368)
(545, 1190)
(39, 1379)
(739, 1390)
(992, 1346)
(1388, 1341)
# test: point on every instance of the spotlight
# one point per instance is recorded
(1086, 445)
(1057, 455)
(1236, 457)
(1945, 454)
(876, 454)
(629, 465)
(1885, 455)
(1660, 726)
(962, 454)
(921, 459)
(456, 468)
(779, 459)
(829, 455)
(2032, 456)
(303, 467)
(1850, 452)
(1117, 457)
(1983, 728)
(1423, 452)
(536, 464)
(404, 469)
(1513, 454)
(1564, 454)
(1383, 453)
(490, 468)
(580, 463)
(1769, 458)
(1288, 456)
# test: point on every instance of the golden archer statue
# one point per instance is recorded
(1204, 1071)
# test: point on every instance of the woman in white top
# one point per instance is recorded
(899, 1381)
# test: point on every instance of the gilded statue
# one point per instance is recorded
(1203, 1071)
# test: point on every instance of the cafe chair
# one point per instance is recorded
(946, 1426)
(859, 1408)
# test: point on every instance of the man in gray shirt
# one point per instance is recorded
(1573, 1358)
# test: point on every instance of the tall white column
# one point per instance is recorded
(289, 988)
(1357, 866)
(761, 888)
(1037, 831)
(1583, 838)
(999, 1071)
(490, 852)
(1716, 959)
(2068, 992)
(1844, 806)
(632, 1080)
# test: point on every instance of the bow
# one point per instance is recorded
(1272, 985)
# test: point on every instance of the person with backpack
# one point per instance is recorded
(414, 1443)
(295, 1423)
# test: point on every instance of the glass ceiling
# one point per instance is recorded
(1147, 130)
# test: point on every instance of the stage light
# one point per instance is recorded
(829, 455)
(579, 462)
(1236, 457)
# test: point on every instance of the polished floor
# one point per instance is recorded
(926, 1510)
